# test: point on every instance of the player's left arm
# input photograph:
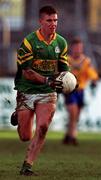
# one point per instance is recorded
(93, 74)
(63, 64)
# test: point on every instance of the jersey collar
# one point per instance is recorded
(41, 37)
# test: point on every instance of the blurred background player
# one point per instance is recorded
(41, 56)
(82, 68)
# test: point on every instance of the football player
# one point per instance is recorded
(41, 56)
(83, 69)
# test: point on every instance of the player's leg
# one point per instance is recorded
(25, 131)
(45, 106)
(44, 114)
(71, 134)
(74, 112)
(24, 115)
(74, 103)
(25, 124)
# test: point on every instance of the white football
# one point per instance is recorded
(69, 81)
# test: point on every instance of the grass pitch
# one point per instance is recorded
(56, 161)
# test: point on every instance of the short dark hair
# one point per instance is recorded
(76, 40)
(47, 10)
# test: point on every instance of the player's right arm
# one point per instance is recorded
(25, 54)
(24, 61)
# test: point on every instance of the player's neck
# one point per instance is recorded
(47, 37)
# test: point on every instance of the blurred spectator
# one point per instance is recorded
(82, 68)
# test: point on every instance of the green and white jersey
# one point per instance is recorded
(46, 59)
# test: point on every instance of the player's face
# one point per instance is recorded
(49, 23)
(77, 50)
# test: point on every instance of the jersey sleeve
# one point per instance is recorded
(24, 54)
(92, 72)
(63, 60)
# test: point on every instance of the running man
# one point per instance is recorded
(40, 58)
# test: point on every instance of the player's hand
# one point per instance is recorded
(55, 84)
(93, 85)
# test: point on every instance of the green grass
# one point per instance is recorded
(56, 161)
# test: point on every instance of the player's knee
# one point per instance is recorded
(24, 139)
(43, 130)
(25, 136)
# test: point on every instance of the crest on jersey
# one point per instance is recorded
(57, 49)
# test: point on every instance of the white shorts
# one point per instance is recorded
(29, 100)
